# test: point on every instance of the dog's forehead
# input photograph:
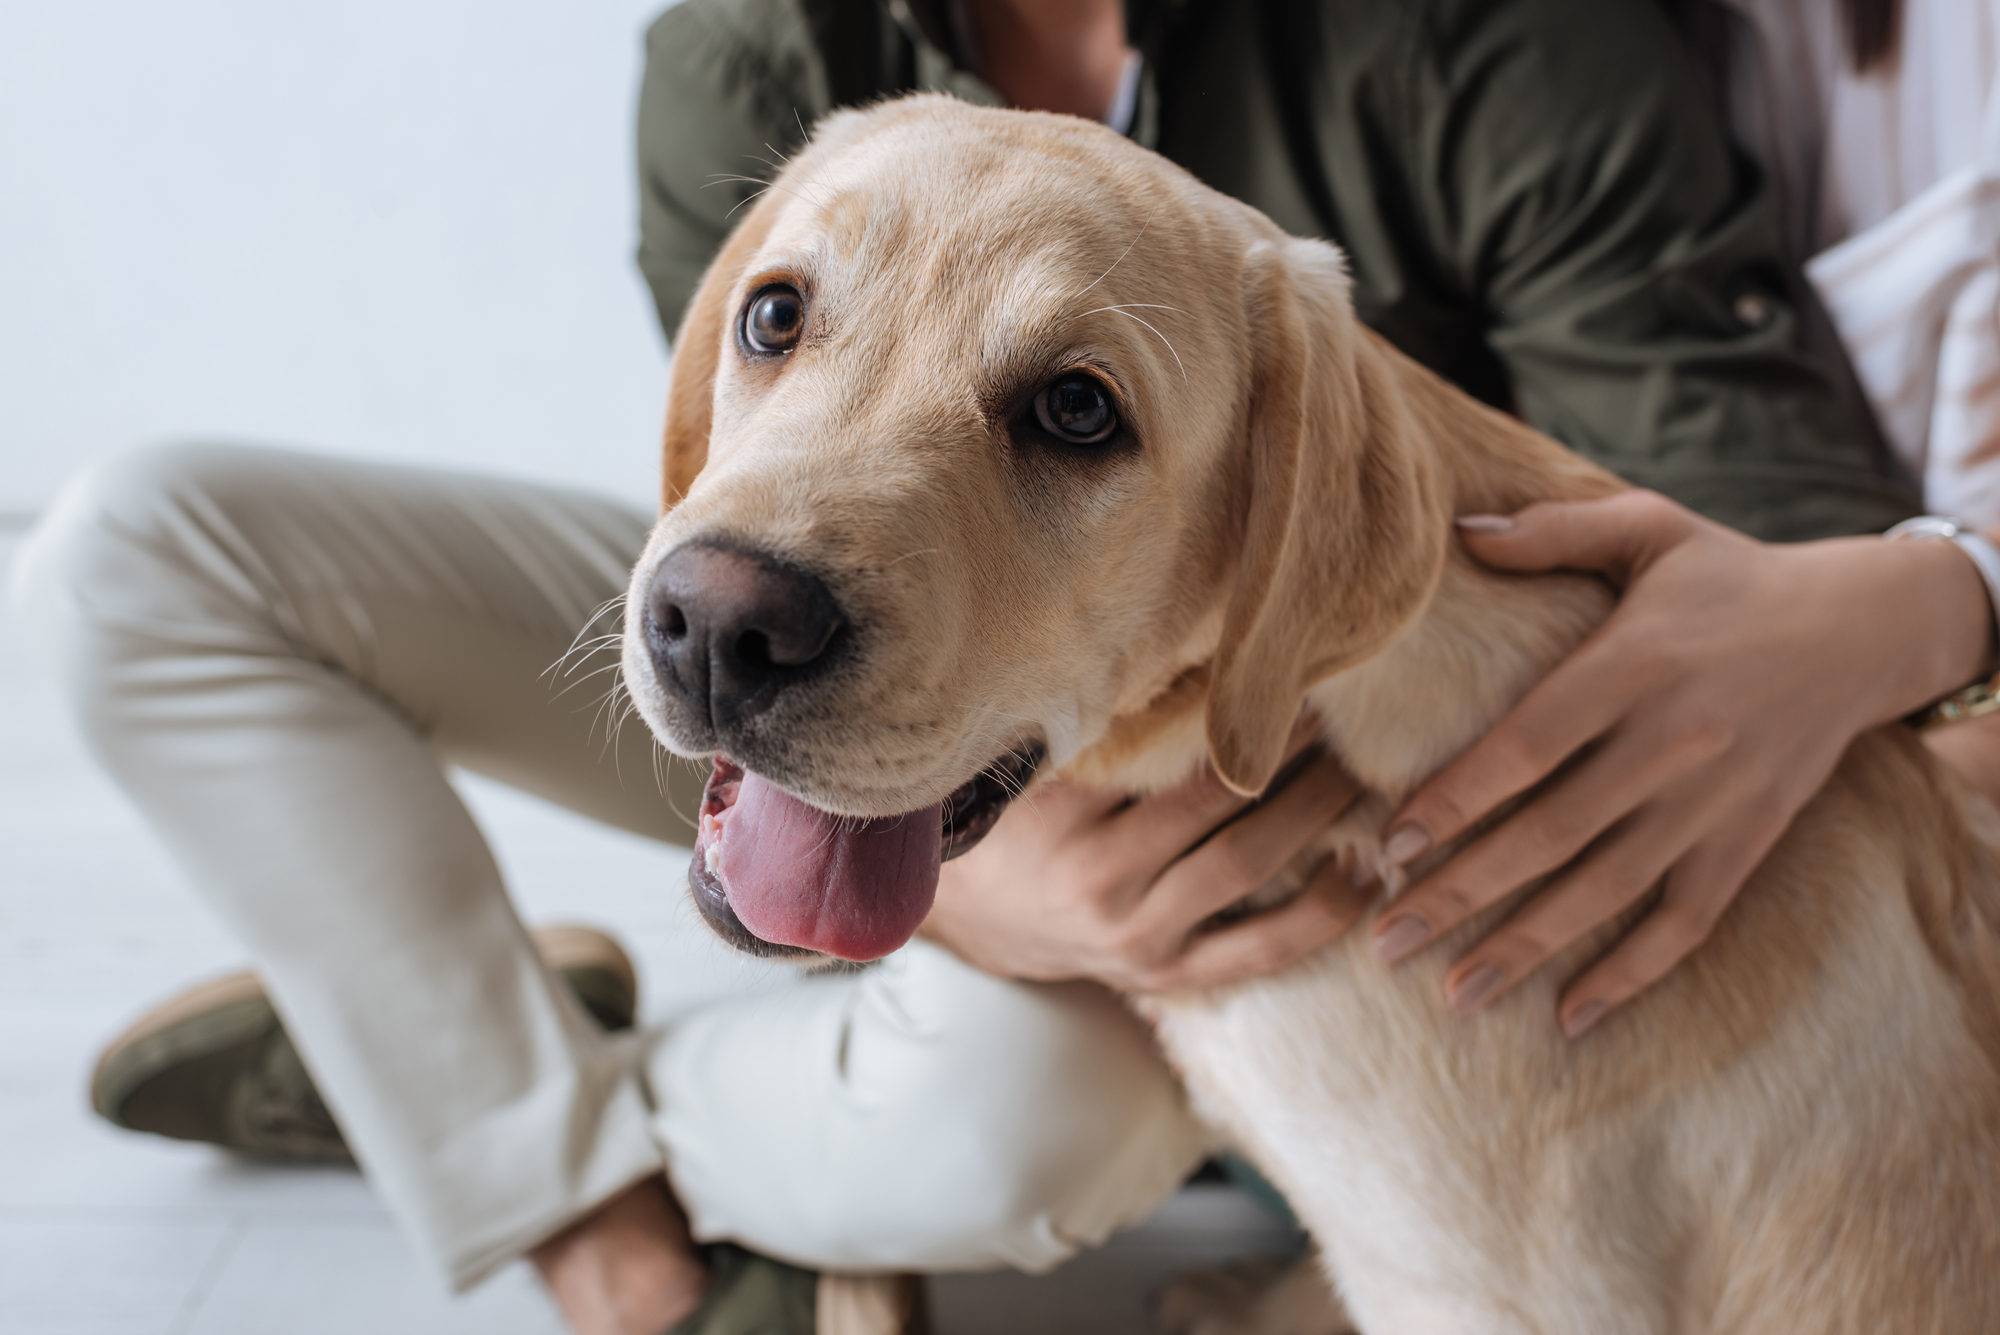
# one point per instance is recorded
(965, 208)
(1004, 239)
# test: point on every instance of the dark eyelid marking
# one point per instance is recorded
(1027, 375)
(782, 275)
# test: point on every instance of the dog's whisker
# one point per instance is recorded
(609, 604)
(626, 713)
(612, 705)
(776, 169)
(1121, 254)
(578, 681)
(724, 178)
(568, 679)
(603, 703)
(814, 185)
(580, 654)
(1157, 334)
(581, 643)
(921, 551)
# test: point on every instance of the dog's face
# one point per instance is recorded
(972, 398)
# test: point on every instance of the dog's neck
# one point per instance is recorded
(1477, 648)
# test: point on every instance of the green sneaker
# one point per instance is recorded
(215, 1064)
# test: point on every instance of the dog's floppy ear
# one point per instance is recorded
(1345, 535)
(704, 333)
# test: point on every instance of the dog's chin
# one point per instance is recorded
(833, 890)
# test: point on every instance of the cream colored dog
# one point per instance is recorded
(998, 445)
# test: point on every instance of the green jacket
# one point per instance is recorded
(1537, 197)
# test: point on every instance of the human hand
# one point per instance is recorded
(1701, 716)
(1075, 882)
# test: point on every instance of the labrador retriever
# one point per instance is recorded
(999, 446)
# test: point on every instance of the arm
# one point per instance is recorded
(1573, 180)
(1732, 676)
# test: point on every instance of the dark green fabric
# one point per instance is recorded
(750, 1294)
(1537, 197)
(1258, 1188)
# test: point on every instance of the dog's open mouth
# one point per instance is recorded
(804, 880)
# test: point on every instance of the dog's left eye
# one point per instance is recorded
(1078, 409)
(774, 320)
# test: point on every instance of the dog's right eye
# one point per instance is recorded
(774, 320)
(1077, 409)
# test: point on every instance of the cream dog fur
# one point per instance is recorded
(1799, 1130)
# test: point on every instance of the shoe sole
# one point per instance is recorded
(597, 969)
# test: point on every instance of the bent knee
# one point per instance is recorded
(1035, 1119)
(109, 559)
(132, 500)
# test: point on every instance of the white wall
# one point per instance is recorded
(399, 228)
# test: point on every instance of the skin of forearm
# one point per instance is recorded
(1955, 640)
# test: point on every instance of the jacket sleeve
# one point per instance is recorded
(1579, 187)
(728, 89)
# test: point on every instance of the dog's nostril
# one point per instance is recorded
(730, 629)
(754, 650)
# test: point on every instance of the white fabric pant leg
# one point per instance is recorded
(920, 1114)
(271, 651)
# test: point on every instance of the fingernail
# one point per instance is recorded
(1584, 1016)
(1401, 937)
(1485, 523)
(1476, 988)
(1405, 842)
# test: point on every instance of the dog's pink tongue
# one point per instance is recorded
(797, 876)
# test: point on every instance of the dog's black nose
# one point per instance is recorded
(730, 629)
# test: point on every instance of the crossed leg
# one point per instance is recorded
(277, 655)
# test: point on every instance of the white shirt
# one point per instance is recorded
(1891, 182)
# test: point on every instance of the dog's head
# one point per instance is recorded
(988, 430)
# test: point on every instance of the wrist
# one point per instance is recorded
(1947, 629)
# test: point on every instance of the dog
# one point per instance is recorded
(998, 446)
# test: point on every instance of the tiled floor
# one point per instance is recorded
(108, 1234)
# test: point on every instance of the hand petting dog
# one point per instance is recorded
(1696, 722)
(1076, 882)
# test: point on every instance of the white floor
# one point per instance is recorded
(103, 1233)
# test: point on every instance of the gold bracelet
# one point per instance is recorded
(1982, 697)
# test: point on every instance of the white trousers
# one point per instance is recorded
(278, 654)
